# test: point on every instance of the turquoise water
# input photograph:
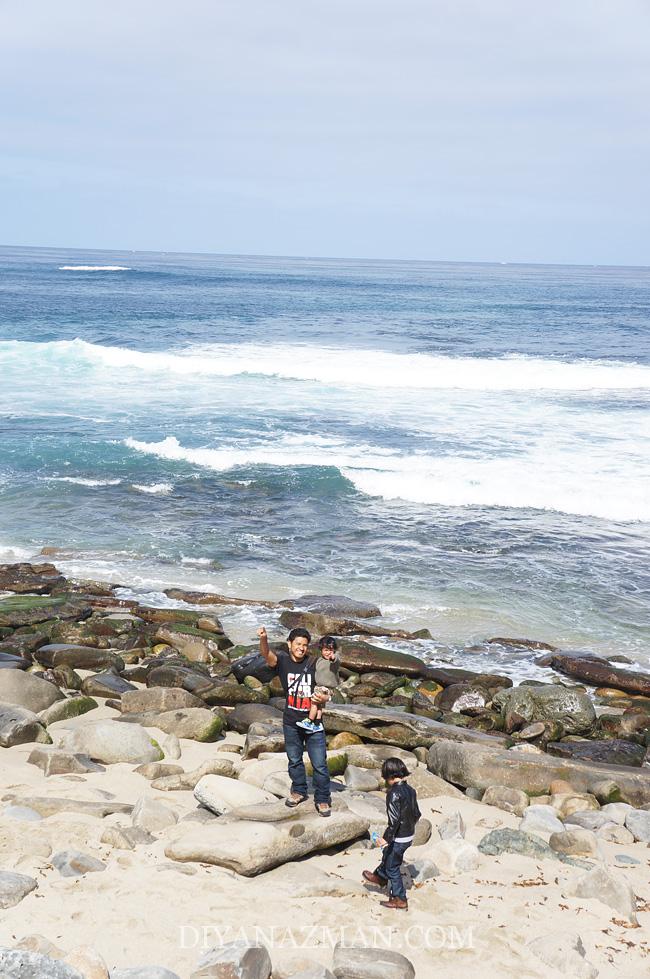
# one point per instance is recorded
(467, 444)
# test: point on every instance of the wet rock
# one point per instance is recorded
(337, 605)
(478, 766)
(565, 954)
(152, 816)
(106, 685)
(235, 960)
(26, 578)
(540, 819)
(175, 675)
(63, 710)
(111, 742)
(18, 964)
(319, 624)
(572, 708)
(638, 823)
(14, 887)
(55, 761)
(357, 962)
(79, 657)
(197, 645)
(510, 800)
(521, 643)
(600, 885)
(74, 863)
(251, 848)
(598, 672)
(609, 752)
(212, 598)
(20, 726)
(24, 690)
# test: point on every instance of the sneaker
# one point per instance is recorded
(306, 725)
(323, 809)
(295, 799)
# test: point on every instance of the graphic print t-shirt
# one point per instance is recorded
(298, 681)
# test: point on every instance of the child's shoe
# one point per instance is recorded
(306, 725)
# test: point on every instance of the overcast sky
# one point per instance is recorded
(505, 130)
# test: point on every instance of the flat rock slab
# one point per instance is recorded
(19, 964)
(55, 761)
(598, 672)
(46, 806)
(144, 972)
(14, 887)
(79, 657)
(473, 765)
(220, 794)
(250, 848)
(159, 699)
(334, 605)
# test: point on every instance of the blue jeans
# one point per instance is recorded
(295, 742)
(389, 868)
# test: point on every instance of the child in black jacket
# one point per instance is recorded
(403, 814)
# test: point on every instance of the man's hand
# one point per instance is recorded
(261, 632)
(266, 652)
(319, 698)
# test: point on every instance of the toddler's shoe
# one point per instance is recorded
(306, 725)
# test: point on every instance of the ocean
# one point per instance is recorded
(468, 445)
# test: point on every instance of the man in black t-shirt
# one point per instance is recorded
(297, 672)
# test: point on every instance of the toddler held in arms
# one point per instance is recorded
(327, 677)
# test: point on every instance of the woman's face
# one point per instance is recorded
(298, 648)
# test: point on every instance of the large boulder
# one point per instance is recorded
(399, 728)
(108, 684)
(220, 794)
(250, 848)
(194, 723)
(197, 645)
(20, 726)
(25, 690)
(79, 657)
(573, 708)
(110, 742)
(603, 886)
(474, 765)
(321, 625)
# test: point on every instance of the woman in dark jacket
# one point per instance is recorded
(403, 814)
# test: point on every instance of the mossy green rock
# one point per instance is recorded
(337, 762)
(62, 710)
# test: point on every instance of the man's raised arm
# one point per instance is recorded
(267, 653)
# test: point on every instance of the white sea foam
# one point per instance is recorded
(566, 483)
(347, 368)
(82, 481)
(156, 489)
(94, 268)
(11, 554)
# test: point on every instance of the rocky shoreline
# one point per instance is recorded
(137, 739)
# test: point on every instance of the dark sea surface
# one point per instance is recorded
(468, 445)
